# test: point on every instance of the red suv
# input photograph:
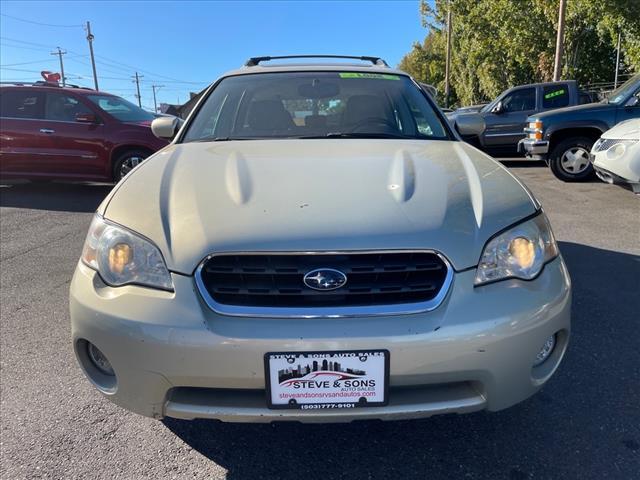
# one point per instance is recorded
(52, 132)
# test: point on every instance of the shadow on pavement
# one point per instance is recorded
(521, 163)
(67, 197)
(585, 422)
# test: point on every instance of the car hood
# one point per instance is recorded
(194, 199)
(576, 111)
(628, 130)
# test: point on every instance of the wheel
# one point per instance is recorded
(127, 162)
(569, 160)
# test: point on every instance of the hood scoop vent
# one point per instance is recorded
(402, 177)
(238, 179)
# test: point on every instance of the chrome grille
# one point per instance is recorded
(607, 143)
(272, 284)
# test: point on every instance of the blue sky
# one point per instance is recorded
(173, 43)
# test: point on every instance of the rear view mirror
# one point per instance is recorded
(498, 108)
(318, 89)
(86, 118)
(633, 101)
(470, 124)
(166, 127)
(430, 89)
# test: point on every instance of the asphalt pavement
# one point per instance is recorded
(585, 423)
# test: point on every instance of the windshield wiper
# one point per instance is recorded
(306, 137)
(222, 139)
(366, 135)
(360, 135)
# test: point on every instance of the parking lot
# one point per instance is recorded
(584, 424)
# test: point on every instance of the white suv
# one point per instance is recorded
(616, 155)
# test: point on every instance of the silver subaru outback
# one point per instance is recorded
(316, 244)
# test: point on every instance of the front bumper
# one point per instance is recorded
(619, 171)
(535, 149)
(612, 178)
(175, 357)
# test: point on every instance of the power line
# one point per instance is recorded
(24, 48)
(20, 70)
(103, 68)
(180, 82)
(27, 43)
(39, 23)
(27, 63)
(163, 77)
(113, 65)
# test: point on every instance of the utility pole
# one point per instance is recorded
(447, 68)
(557, 66)
(615, 82)
(137, 80)
(155, 105)
(93, 61)
(60, 53)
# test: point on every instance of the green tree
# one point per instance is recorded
(426, 61)
(500, 43)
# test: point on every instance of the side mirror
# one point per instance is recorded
(166, 127)
(86, 118)
(470, 125)
(633, 101)
(430, 89)
(498, 108)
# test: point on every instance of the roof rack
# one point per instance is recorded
(254, 61)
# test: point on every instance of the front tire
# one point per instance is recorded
(127, 162)
(569, 160)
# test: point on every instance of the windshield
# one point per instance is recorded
(121, 109)
(624, 91)
(315, 105)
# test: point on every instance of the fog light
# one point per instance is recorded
(545, 351)
(99, 360)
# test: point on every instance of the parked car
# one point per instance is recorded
(616, 155)
(261, 269)
(51, 132)
(563, 138)
(506, 116)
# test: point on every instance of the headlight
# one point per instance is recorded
(597, 145)
(122, 257)
(519, 252)
(618, 148)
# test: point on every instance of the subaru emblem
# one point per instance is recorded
(325, 279)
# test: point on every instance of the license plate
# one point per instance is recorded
(327, 380)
